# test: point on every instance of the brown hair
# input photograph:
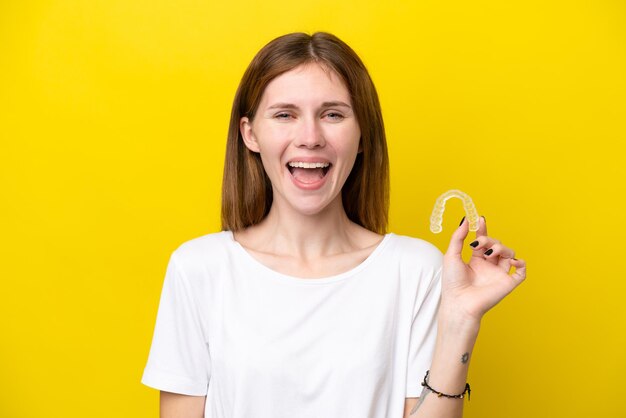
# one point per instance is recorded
(246, 189)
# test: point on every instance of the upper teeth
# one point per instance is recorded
(308, 165)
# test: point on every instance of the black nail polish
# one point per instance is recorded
(474, 244)
(489, 251)
(485, 219)
(514, 258)
(462, 221)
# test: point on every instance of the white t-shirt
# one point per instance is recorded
(263, 344)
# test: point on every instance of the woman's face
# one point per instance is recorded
(307, 135)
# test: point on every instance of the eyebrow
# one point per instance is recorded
(335, 103)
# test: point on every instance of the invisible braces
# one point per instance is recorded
(440, 206)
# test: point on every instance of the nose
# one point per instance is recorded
(310, 135)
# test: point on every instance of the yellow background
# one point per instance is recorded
(113, 118)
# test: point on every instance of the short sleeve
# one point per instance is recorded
(423, 335)
(179, 359)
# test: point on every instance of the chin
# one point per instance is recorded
(309, 210)
(312, 208)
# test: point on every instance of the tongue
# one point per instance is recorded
(308, 175)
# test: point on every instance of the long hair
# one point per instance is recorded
(246, 188)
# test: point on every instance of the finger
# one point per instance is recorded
(520, 270)
(483, 248)
(499, 250)
(482, 244)
(502, 254)
(455, 248)
(482, 227)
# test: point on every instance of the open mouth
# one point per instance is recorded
(308, 172)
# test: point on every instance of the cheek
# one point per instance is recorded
(350, 142)
(273, 139)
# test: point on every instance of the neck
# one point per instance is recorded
(289, 232)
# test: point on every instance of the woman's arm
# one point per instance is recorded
(468, 292)
(448, 373)
(174, 405)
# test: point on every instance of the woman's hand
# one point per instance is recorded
(470, 290)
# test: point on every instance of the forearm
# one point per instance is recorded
(448, 372)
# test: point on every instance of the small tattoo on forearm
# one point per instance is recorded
(464, 358)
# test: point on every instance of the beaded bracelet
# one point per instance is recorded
(440, 394)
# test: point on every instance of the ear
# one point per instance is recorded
(249, 139)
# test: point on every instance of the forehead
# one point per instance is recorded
(309, 81)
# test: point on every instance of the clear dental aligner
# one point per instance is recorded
(440, 205)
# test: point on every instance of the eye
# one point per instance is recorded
(334, 116)
(282, 116)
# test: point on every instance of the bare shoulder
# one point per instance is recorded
(175, 405)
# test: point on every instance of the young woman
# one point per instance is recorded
(304, 306)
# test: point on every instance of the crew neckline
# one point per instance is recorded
(250, 259)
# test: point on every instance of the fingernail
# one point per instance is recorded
(474, 244)
(485, 219)
(514, 258)
(489, 251)
(462, 221)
